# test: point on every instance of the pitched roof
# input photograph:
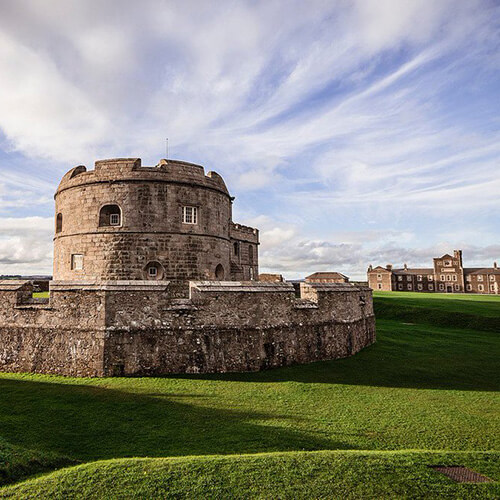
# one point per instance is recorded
(445, 256)
(380, 268)
(481, 270)
(415, 270)
(326, 275)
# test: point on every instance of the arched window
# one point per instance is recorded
(110, 215)
(59, 222)
(154, 271)
(219, 272)
(250, 252)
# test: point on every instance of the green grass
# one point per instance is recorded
(423, 386)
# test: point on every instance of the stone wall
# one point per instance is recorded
(151, 228)
(139, 328)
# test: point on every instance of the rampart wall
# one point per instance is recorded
(138, 328)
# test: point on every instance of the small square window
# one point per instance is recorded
(400, 286)
(190, 215)
(408, 278)
(114, 220)
(431, 287)
(77, 262)
(153, 271)
(419, 286)
(400, 278)
(409, 286)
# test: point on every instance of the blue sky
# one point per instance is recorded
(350, 132)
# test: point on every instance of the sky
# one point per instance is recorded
(351, 132)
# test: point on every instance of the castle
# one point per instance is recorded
(448, 275)
(152, 276)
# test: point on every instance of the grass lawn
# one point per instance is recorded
(425, 393)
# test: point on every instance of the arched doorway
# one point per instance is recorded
(219, 272)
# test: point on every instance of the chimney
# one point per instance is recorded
(458, 255)
(370, 268)
(389, 267)
(406, 266)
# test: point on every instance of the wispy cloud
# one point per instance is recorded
(327, 119)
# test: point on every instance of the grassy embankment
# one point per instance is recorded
(427, 388)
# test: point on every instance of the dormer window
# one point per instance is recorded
(110, 215)
(190, 215)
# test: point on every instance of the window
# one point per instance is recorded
(409, 286)
(454, 277)
(250, 252)
(480, 288)
(443, 277)
(400, 278)
(77, 262)
(430, 277)
(492, 278)
(441, 286)
(468, 277)
(480, 277)
(469, 287)
(110, 215)
(219, 272)
(408, 278)
(457, 286)
(236, 248)
(251, 274)
(419, 277)
(154, 271)
(400, 286)
(190, 215)
(379, 276)
(447, 263)
(419, 286)
(379, 286)
(431, 287)
(59, 220)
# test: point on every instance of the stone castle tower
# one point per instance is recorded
(123, 221)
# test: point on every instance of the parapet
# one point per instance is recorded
(245, 233)
(131, 169)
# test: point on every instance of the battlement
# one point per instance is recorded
(245, 233)
(140, 328)
(131, 169)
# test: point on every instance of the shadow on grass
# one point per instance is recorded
(414, 356)
(90, 423)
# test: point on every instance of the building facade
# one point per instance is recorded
(123, 221)
(327, 277)
(152, 276)
(447, 275)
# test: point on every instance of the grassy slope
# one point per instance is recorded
(420, 387)
(323, 474)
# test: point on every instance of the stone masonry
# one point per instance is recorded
(145, 286)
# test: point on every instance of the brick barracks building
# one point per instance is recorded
(447, 276)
